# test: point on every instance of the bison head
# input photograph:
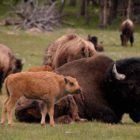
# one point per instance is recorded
(122, 87)
(15, 66)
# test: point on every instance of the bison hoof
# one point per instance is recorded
(52, 125)
(2, 123)
(10, 125)
(42, 124)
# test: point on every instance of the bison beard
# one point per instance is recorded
(105, 98)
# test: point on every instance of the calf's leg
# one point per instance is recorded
(43, 114)
(10, 104)
(4, 111)
(51, 112)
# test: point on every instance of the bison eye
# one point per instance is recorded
(71, 84)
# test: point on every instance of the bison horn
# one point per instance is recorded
(118, 76)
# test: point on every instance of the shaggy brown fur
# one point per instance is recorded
(46, 86)
(68, 48)
(40, 68)
(8, 63)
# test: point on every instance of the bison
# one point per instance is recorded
(40, 68)
(8, 63)
(94, 40)
(109, 89)
(67, 48)
(127, 32)
(46, 86)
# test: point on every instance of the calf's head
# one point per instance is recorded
(71, 85)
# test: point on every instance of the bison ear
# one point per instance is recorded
(66, 80)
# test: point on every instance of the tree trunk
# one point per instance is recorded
(105, 8)
(129, 9)
(62, 7)
(113, 11)
(72, 2)
(82, 8)
(86, 12)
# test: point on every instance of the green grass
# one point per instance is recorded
(88, 131)
(30, 47)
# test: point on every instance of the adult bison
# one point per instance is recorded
(67, 48)
(8, 63)
(94, 40)
(127, 29)
(109, 89)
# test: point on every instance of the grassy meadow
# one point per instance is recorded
(30, 47)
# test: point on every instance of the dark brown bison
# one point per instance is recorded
(109, 89)
(8, 63)
(67, 48)
(94, 40)
(127, 32)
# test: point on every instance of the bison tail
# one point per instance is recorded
(6, 87)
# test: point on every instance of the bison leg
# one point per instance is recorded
(131, 40)
(4, 111)
(10, 104)
(43, 114)
(51, 112)
(121, 38)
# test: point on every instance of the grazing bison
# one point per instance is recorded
(127, 29)
(94, 40)
(8, 63)
(46, 86)
(67, 48)
(109, 89)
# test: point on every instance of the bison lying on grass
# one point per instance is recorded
(109, 89)
(46, 86)
(8, 63)
(67, 48)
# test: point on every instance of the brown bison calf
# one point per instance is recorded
(46, 86)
